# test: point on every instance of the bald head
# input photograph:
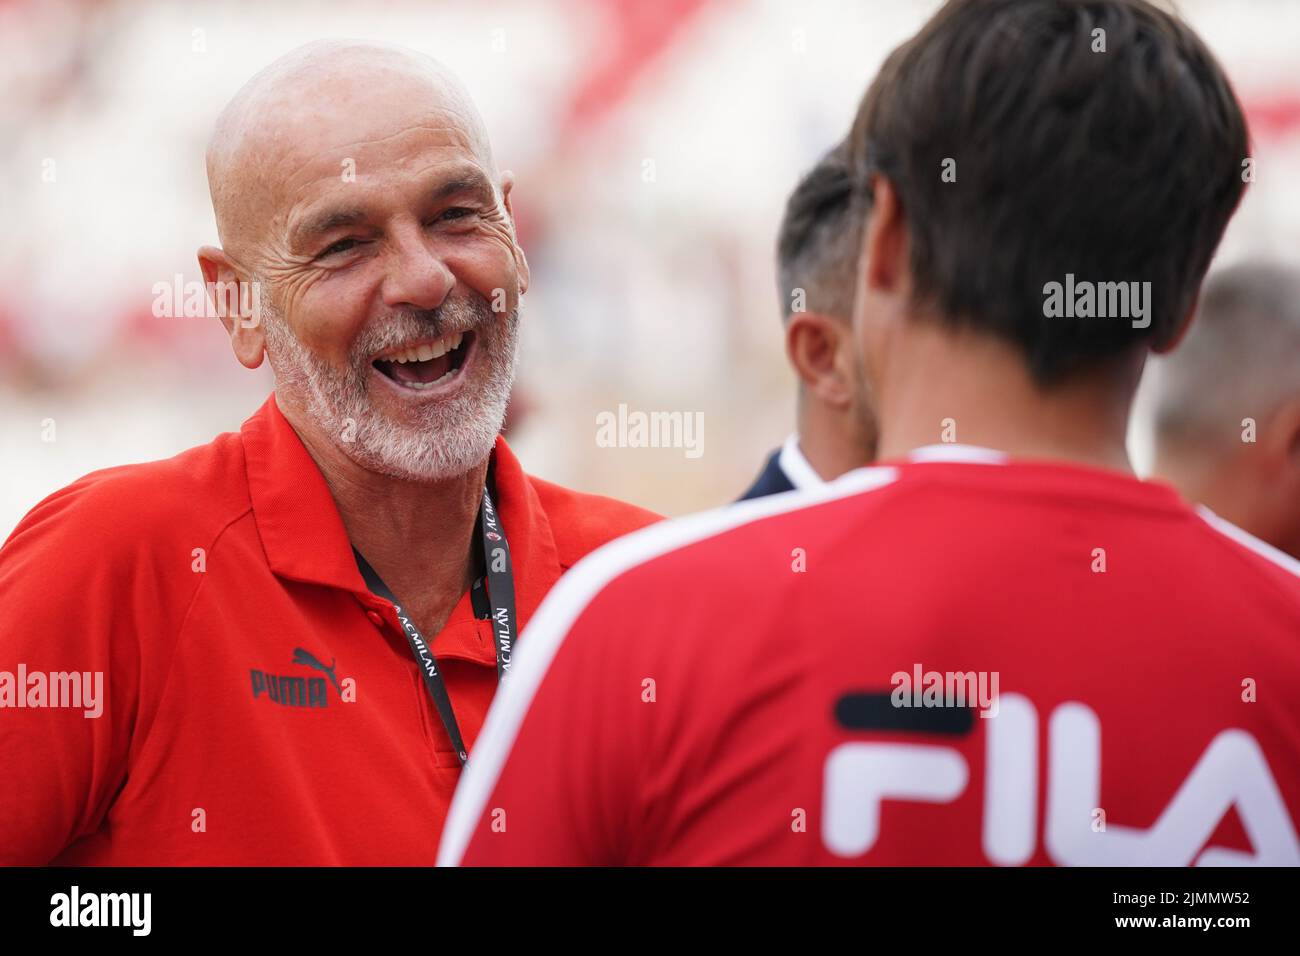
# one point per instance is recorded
(1226, 403)
(310, 106)
(362, 217)
(1240, 359)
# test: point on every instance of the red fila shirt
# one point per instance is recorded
(949, 662)
(259, 705)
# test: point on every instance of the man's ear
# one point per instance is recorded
(813, 343)
(1287, 470)
(1285, 423)
(228, 290)
(521, 261)
(885, 247)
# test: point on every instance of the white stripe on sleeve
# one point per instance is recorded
(568, 599)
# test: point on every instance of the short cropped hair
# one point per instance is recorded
(1097, 138)
(817, 246)
(1241, 358)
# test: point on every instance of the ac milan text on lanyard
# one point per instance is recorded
(501, 593)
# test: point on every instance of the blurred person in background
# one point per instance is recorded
(1227, 403)
(804, 679)
(289, 637)
(817, 258)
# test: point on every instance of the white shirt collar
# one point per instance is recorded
(802, 474)
(951, 451)
(796, 467)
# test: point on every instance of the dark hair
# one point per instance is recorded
(817, 246)
(1115, 166)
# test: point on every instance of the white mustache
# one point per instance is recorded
(409, 326)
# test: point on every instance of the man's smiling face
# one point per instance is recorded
(390, 275)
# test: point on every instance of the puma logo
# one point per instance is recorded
(297, 691)
(303, 657)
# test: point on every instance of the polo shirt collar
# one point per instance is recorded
(534, 557)
(304, 537)
(297, 519)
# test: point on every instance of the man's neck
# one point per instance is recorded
(831, 440)
(941, 385)
(1228, 481)
(417, 535)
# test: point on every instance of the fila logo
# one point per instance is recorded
(859, 777)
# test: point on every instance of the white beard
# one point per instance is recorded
(452, 437)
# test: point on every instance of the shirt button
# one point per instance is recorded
(375, 618)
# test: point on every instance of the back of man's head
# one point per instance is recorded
(1031, 140)
(817, 246)
(816, 258)
(1226, 403)
(1240, 360)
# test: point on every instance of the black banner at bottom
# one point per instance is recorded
(326, 906)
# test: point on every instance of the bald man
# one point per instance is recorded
(1226, 403)
(278, 648)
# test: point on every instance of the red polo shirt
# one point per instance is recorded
(259, 704)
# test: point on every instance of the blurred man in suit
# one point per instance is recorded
(817, 255)
(1227, 404)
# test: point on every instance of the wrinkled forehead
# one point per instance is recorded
(335, 129)
(353, 158)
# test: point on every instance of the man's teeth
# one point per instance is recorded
(430, 350)
(418, 385)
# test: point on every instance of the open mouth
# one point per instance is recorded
(427, 364)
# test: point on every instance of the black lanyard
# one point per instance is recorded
(501, 592)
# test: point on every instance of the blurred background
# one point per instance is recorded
(654, 143)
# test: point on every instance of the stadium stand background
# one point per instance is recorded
(654, 144)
